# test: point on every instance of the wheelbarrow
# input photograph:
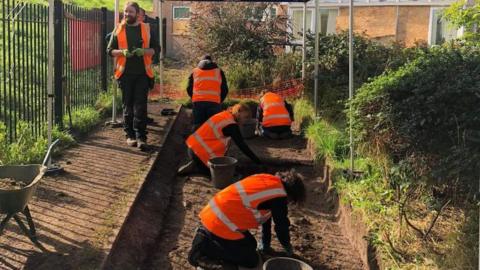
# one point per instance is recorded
(13, 202)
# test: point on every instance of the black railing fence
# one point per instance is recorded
(81, 67)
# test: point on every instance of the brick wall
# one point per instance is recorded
(413, 24)
(379, 23)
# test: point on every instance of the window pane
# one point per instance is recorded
(297, 22)
(328, 21)
(181, 12)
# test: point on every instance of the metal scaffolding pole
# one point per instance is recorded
(113, 123)
(304, 46)
(51, 59)
(350, 83)
(117, 21)
(162, 50)
(316, 60)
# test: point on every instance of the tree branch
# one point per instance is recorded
(435, 219)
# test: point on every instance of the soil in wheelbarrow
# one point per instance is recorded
(316, 236)
(11, 184)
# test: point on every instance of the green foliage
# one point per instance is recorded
(244, 73)
(468, 17)
(104, 101)
(303, 110)
(231, 30)
(84, 120)
(424, 118)
(370, 60)
(330, 143)
(28, 148)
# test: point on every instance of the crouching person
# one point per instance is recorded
(223, 234)
(274, 117)
(211, 139)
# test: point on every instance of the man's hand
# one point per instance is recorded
(139, 52)
(127, 53)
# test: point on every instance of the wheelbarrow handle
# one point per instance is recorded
(49, 152)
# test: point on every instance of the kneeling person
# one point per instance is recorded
(223, 234)
(211, 139)
(274, 116)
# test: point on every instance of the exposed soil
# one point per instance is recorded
(11, 184)
(166, 223)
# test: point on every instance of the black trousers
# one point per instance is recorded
(198, 162)
(241, 252)
(202, 111)
(134, 102)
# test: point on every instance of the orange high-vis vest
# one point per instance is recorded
(206, 85)
(274, 111)
(208, 140)
(121, 61)
(235, 209)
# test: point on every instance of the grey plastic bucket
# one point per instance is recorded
(222, 170)
(284, 263)
(248, 128)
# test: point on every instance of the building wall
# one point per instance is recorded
(380, 23)
(176, 30)
(414, 24)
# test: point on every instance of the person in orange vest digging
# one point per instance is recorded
(132, 46)
(274, 117)
(211, 139)
(253, 201)
(207, 87)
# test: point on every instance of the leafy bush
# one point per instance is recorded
(467, 17)
(370, 60)
(423, 117)
(245, 73)
(237, 29)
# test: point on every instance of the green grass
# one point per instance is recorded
(453, 243)
(28, 148)
(104, 103)
(330, 142)
(84, 120)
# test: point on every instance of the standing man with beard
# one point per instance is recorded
(133, 45)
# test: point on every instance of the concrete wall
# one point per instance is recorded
(380, 23)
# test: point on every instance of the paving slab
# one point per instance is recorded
(79, 213)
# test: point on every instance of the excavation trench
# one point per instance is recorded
(162, 222)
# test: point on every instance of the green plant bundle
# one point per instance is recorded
(28, 148)
(84, 120)
(330, 143)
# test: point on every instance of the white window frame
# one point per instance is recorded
(180, 19)
(312, 22)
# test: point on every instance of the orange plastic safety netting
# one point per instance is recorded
(287, 89)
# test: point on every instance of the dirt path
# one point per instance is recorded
(317, 238)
